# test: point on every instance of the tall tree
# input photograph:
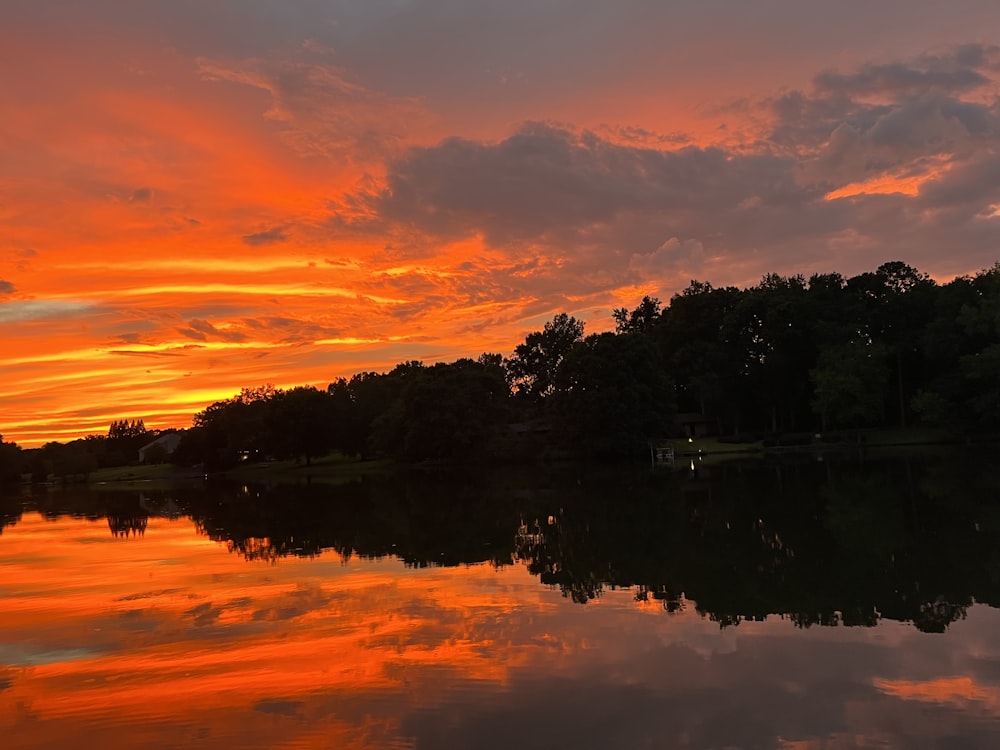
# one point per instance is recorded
(641, 320)
(849, 380)
(532, 369)
(697, 339)
(443, 412)
(777, 349)
(11, 461)
(612, 395)
(895, 304)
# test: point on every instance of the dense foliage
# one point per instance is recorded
(878, 349)
(887, 348)
(881, 349)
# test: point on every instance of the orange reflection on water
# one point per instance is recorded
(166, 639)
(171, 626)
(958, 690)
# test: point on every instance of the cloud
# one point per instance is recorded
(141, 195)
(958, 69)
(546, 181)
(882, 117)
(322, 111)
(267, 237)
(279, 707)
(598, 211)
(916, 140)
(973, 185)
(25, 310)
(6, 287)
(668, 259)
(202, 330)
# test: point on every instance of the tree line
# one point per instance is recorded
(885, 348)
(77, 458)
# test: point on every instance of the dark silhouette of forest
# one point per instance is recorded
(826, 542)
(790, 355)
(888, 348)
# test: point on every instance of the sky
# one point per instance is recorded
(197, 197)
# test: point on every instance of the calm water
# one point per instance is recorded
(799, 604)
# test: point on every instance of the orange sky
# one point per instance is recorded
(196, 199)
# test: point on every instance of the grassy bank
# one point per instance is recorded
(335, 468)
(331, 469)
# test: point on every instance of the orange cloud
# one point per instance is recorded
(190, 212)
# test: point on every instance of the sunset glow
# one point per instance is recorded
(195, 198)
(164, 638)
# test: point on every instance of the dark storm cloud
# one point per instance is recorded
(266, 237)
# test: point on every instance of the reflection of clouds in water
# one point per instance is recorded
(371, 653)
(771, 683)
(25, 655)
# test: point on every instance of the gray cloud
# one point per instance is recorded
(612, 214)
(6, 287)
(267, 237)
(321, 110)
(25, 310)
(141, 195)
(973, 185)
(546, 182)
(882, 117)
(279, 707)
(614, 208)
(900, 80)
(202, 330)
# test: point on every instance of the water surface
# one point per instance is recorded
(793, 604)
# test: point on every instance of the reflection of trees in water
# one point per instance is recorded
(821, 544)
(263, 548)
(672, 601)
(124, 527)
(11, 507)
(832, 543)
(416, 518)
(127, 512)
(553, 552)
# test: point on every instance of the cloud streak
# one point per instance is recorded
(340, 187)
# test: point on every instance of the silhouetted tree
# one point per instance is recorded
(612, 395)
(531, 370)
(12, 463)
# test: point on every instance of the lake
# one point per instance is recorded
(794, 603)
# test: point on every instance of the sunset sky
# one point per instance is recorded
(200, 196)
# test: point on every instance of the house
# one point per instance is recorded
(164, 445)
(696, 425)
